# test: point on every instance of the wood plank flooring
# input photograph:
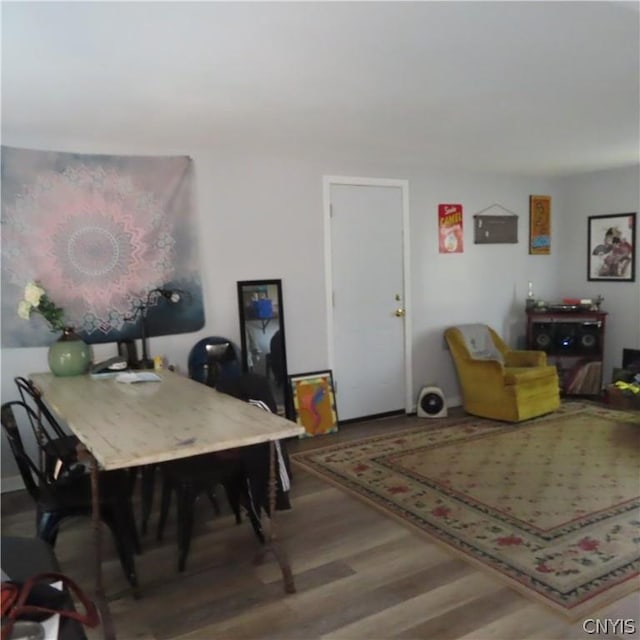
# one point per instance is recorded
(359, 575)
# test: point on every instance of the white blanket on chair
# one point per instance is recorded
(479, 343)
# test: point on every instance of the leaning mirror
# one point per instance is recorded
(262, 335)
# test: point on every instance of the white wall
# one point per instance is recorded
(260, 216)
(590, 194)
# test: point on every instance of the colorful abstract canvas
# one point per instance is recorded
(314, 402)
(98, 233)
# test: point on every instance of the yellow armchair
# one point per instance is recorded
(498, 382)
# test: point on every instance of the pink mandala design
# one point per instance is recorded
(95, 241)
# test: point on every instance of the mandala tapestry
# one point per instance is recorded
(98, 233)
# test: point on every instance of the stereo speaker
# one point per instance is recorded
(588, 337)
(431, 403)
(542, 334)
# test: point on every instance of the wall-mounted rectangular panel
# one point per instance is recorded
(495, 229)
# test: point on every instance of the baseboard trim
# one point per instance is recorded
(455, 401)
(375, 416)
(10, 484)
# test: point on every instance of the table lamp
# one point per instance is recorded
(172, 295)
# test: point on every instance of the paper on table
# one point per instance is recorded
(137, 376)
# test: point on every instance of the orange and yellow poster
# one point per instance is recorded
(450, 228)
(540, 225)
(314, 402)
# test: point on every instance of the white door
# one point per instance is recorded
(368, 305)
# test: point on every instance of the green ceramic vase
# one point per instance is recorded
(69, 355)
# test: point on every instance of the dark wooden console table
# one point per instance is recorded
(574, 343)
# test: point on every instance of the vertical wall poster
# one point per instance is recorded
(450, 228)
(539, 225)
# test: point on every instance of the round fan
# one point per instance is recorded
(431, 403)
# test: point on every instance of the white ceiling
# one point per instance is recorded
(526, 87)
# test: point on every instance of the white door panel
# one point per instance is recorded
(367, 278)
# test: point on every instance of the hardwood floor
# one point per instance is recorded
(359, 575)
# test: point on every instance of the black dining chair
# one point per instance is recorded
(256, 389)
(67, 496)
(190, 477)
(214, 358)
(58, 449)
(210, 359)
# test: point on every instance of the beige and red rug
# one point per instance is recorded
(552, 505)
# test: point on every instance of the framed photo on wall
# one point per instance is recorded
(612, 249)
(314, 402)
(539, 225)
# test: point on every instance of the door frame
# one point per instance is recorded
(403, 185)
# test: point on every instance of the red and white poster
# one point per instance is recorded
(450, 228)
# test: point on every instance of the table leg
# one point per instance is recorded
(108, 629)
(271, 543)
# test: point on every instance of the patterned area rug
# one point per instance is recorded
(552, 505)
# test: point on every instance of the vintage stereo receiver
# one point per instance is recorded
(568, 337)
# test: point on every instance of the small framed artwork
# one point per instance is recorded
(314, 402)
(539, 225)
(611, 242)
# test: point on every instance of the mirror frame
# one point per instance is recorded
(246, 290)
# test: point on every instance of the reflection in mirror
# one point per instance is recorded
(262, 335)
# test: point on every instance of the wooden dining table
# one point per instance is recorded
(122, 425)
